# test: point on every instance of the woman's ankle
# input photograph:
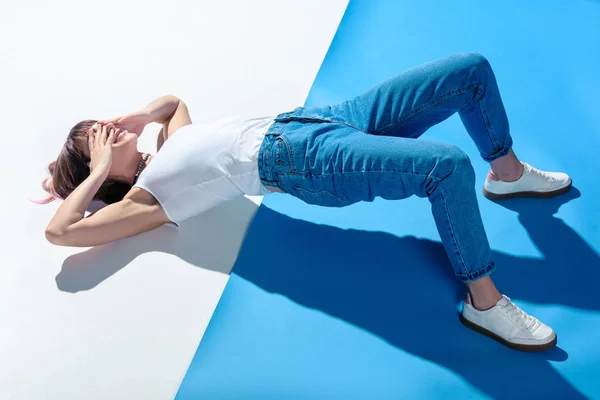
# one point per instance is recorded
(483, 294)
(507, 175)
(481, 305)
(507, 168)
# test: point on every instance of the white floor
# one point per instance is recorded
(123, 321)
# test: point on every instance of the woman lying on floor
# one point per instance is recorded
(332, 156)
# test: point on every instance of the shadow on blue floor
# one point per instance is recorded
(403, 290)
(400, 289)
(570, 270)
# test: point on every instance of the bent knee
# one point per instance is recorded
(476, 61)
(454, 162)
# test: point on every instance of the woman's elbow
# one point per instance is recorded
(55, 237)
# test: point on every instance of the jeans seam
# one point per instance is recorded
(488, 126)
(351, 126)
(423, 108)
(281, 182)
(452, 235)
(290, 151)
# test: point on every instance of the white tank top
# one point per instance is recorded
(201, 166)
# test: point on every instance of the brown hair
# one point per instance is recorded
(70, 170)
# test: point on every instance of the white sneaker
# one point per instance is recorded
(533, 183)
(509, 325)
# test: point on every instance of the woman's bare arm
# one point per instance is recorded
(138, 212)
(166, 110)
(179, 119)
(74, 206)
(162, 109)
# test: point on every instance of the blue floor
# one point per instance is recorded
(360, 302)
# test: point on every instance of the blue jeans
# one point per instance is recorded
(366, 147)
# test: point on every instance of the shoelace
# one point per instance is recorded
(546, 175)
(518, 315)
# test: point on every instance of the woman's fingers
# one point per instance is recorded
(115, 122)
(91, 135)
(101, 138)
(98, 134)
(101, 135)
(111, 137)
(112, 130)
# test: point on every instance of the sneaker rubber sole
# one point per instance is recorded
(515, 346)
(540, 195)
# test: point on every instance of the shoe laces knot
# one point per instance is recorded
(519, 316)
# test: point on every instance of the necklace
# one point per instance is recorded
(139, 168)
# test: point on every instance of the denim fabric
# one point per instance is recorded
(366, 147)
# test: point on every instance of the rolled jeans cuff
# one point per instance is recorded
(477, 274)
(500, 153)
